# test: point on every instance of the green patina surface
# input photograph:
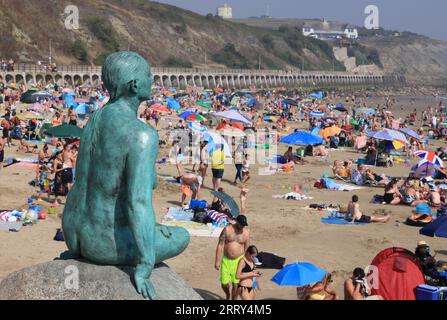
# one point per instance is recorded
(109, 217)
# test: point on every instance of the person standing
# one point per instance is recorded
(238, 157)
(2, 152)
(248, 275)
(233, 243)
(204, 159)
(218, 166)
(6, 125)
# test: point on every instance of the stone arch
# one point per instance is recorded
(19, 78)
(189, 80)
(29, 79)
(49, 78)
(198, 80)
(39, 79)
(58, 79)
(182, 82)
(95, 79)
(9, 78)
(86, 78)
(157, 80)
(174, 82)
(77, 80)
(211, 82)
(165, 80)
(67, 78)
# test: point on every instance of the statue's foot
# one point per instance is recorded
(170, 242)
(68, 255)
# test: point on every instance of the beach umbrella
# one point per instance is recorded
(196, 127)
(317, 114)
(233, 115)
(83, 109)
(390, 135)
(160, 108)
(187, 114)
(340, 107)
(428, 157)
(427, 170)
(291, 102)
(173, 104)
(196, 117)
(301, 138)
(437, 228)
(410, 133)
(317, 95)
(30, 116)
(44, 94)
(229, 201)
(204, 104)
(299, 274)
(64, 131)
(329, 132)
(232, 132)
(214, 140)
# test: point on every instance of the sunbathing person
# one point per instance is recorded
(370, 177)
(410, 194)
(340, 170)
(320, 151)
(392, 194)
(358, 216)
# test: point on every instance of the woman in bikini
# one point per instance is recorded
(322, 291)
(247, 274)
(392, 194)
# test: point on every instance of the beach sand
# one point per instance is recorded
(276, 225)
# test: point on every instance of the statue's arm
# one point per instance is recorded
(140, 165)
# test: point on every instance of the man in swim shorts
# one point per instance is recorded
(233, 242)
(358, 216)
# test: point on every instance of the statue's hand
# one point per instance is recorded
(142, 281)
(165, 231)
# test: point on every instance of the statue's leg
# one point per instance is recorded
(169, 242)
(72, 241)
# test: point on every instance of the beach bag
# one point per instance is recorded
(201, 216)
(59, 235)
(197, 204)
(271, 261)
(419, 220)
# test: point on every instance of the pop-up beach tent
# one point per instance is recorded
(399, 273)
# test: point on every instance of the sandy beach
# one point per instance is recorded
(278, 226)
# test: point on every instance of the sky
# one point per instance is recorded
(424, 17)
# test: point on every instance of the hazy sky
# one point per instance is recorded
(425, 17)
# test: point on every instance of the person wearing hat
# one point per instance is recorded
(233, 243)
(427, 261)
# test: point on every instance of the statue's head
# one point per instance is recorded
(127, 74)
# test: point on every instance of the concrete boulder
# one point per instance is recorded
(80, 280)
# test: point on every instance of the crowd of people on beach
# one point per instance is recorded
(185, 141)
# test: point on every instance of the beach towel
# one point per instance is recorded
(196, 229)
(292, 196)
(10, 226)
(218, 218)
(338, 221)
(331, 185)
(178, 214)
